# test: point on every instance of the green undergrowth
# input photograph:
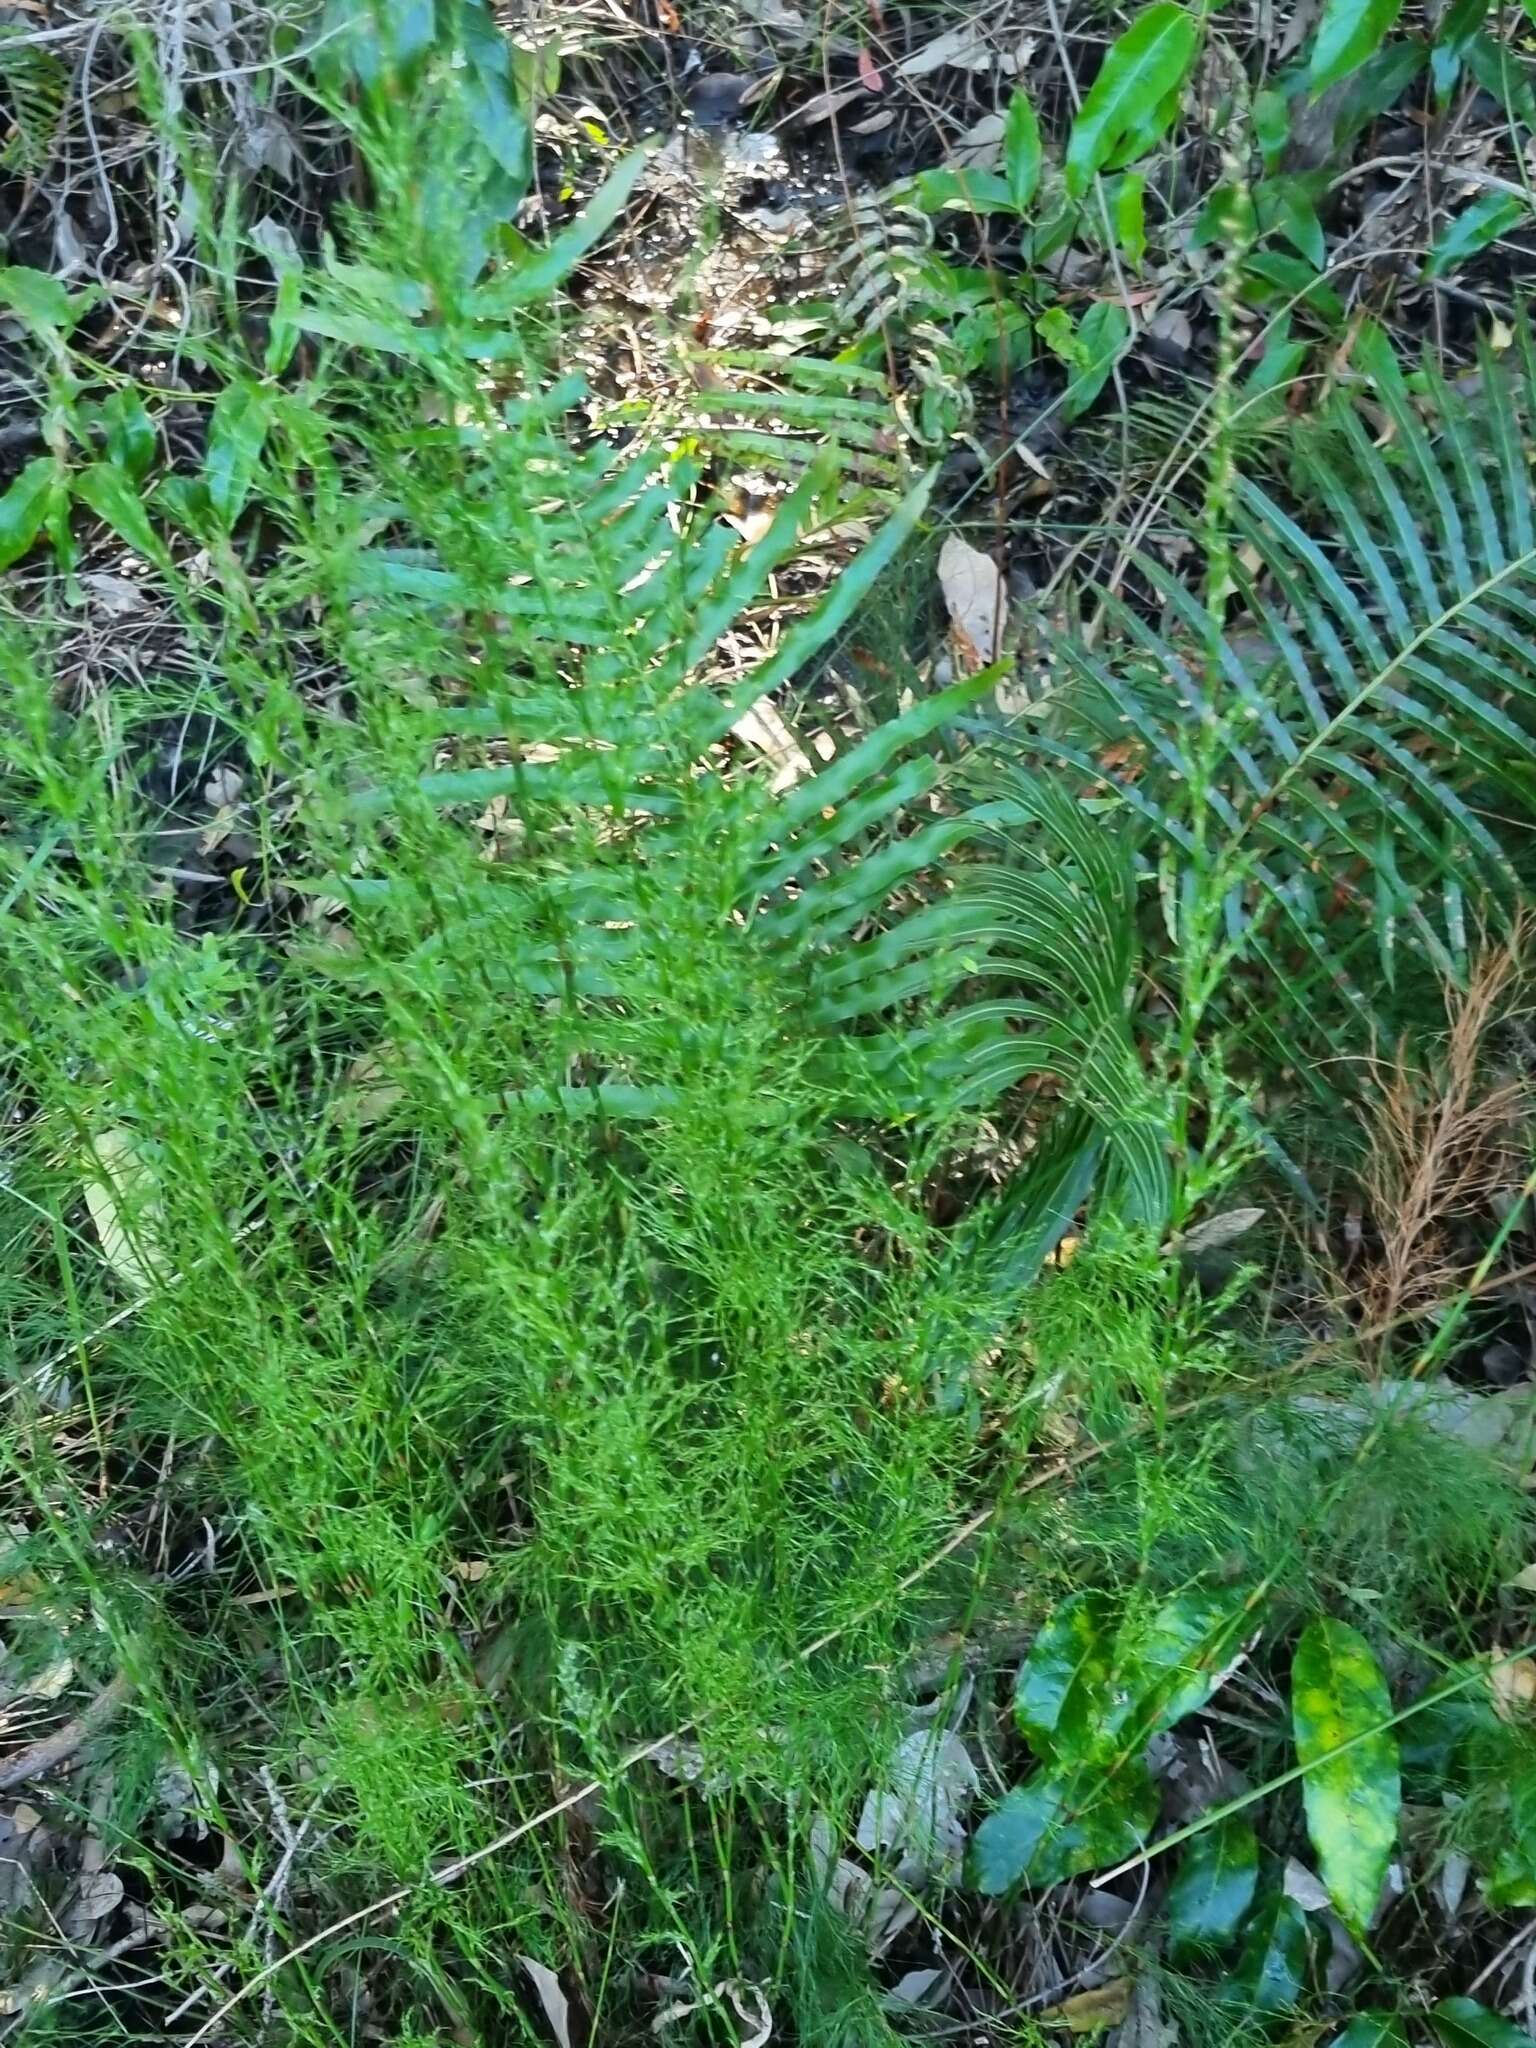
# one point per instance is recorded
(522, 1239)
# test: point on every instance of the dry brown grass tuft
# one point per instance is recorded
(1443, 1142)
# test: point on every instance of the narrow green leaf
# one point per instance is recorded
(491, 93)
(1102, 336)
(1143, 71)
(1271, 125)
(1463, 2023)
(1214, 1888)
(1021, 149)
(237, 431)
(1474, 229)
(1131, 215)
(24, 507)
(1372, 2030)
(112, 496)
(1339, 1696)
(1299, 223)
(130, 433)
(535, 279)
(1349, 32)
(1060, 1824)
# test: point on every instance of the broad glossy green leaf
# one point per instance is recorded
(1135, 92)
(113, 496)
(491, 91)
(1173, 1661)
(968, 191)
(1131, 215)
(130, 432)
(1271, 277)
(1474, 229)
(1271, 125)
(1062, 1823)
(1372, 2030)
(1071, 1652)
(1349, 32)
(1102, 336)
(24, 507)
(237, 432)
(1297, 220)
(1214, 1888)
(1353, 1798)
(40, 301)
(1272, 1968)
(1021, 149)
(1463, 2023)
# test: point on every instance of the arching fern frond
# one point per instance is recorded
(1363, 733)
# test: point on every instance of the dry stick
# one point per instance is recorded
(59, 1747)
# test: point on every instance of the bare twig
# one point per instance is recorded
(59, 1747)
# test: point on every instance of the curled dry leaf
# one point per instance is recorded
(751, 2008)
(975, 600)
(51, 1681)
(963, 49)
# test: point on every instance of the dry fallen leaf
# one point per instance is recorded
(100, 1894)
(120, 1195)
(980, 148)
(51, 1681)
(557, 2007)
(964, 49)
(1216, 1231)
(1090, 2011)
(1512, 1682)
(762, 727)
(973, 595)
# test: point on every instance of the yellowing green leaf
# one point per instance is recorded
(1349, 32)
(124, 1206)
(1131, 215)
(1352, 1794)
(1071, 1652)
(1135, 93)
(1062, 1823)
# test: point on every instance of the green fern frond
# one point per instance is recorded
(1372, 706)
